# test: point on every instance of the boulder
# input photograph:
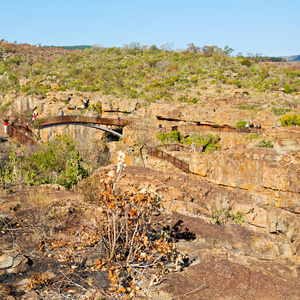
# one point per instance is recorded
(13, 262)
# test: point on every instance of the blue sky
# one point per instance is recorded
(268, 27)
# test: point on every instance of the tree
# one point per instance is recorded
(227, 51)
(153, 49)
(209, 51)
(193, 48)
(167, 47)
(143, 136)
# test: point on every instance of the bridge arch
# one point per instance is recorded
(82, 124)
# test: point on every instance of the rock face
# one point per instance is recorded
(260, 171)
(23, 104)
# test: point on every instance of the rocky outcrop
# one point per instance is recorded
(24, 104)
(24, 82)
(9, 97)
(253, 243)
(286, 137)
(275, 233)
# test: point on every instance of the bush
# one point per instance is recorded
(169, 136)
(241, 124)
(208, 141)
(265, 144)
(223, 216)
(290, 120)
(279, 111)
(251, 137)
(58, 161)
(131, 244)
(287, 88)
(246, 62)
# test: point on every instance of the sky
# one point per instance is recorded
(265, 27)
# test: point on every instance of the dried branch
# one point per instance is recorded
(198, 289)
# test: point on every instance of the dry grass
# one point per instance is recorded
(38, 199)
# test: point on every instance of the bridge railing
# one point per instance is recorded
(82, 119)
(174, 147)
(21, 137)
(171, 159)
(179, 147)
(224, 128)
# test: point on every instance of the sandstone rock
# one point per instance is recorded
(9, 97)
(256, 170)
(54, 86)
(24, 82)
(45, 83)
(55, 187)
(266, 119)
(58, 212)
(107, 106)
(22, 285)
(75, 102)
(13, 262)
(22, 104)
(31, 295)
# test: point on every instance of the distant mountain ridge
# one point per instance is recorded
(292, 58)
(75, 47)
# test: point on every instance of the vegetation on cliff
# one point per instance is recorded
(208, 141)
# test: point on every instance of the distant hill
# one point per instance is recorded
(292, 58)
(80, 47)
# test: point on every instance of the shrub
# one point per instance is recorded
(241, 124)
(287, 88)
(246, 62)
(131, 244)
(224, 216)
(265, 144)
(58, 161)
(251, 137)
(194, 100)
(5, 106)
(208, 141)
(169, 136)
(279, 111)
(248, 107)
(290, 120)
